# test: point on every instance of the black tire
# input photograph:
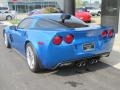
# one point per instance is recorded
(36, 66)
(99, 14)
(9, 18)
(6, 41)
(93, 14)
(88, 21)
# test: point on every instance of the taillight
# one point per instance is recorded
(104, 34)
(57, 40)
(69, 38)
(110, 33)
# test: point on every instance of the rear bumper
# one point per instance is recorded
(67, 62)
(54, 59)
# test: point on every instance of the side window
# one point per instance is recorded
(44, 24)
(6, 12)
(25, 24)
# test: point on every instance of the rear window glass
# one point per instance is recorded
(73, 23)
(43, 23)
(57, 23)
(3, 8)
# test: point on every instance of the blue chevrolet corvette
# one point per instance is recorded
(48, 41)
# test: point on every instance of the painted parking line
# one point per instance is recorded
(117, 66)
(114, 59)
(0, 22)
(6, 23)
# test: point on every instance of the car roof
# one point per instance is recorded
(52, 15)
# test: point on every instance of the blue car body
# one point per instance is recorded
(50, 54)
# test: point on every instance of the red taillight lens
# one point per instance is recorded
(110, 33)
(104, 34)
(69, 38)
(57, 40)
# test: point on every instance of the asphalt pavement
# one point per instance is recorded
(15, 75)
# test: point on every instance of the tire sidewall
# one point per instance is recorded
(7, 44)
(36, 64)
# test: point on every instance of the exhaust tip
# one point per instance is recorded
(96, 61)
(93, 61)
(81, 64)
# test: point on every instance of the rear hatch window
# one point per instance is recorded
(57, 23)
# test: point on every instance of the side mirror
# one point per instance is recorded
(13, 28)
(65, 17)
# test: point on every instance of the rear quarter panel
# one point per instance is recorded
(40, 40)
(71, 52)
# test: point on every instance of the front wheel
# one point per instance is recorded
(32, 59)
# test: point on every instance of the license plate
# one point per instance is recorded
(88, 46)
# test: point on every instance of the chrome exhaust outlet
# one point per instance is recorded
(93, 61)
(81, 64)
(96, 61)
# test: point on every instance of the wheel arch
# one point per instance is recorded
(26, 44)
(9, 16)
(39, 61)
(28, 41)
(3, 32)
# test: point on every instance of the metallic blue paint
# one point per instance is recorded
(49, 54)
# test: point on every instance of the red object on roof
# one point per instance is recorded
(83, 15)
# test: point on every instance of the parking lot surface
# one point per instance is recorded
(15, 75)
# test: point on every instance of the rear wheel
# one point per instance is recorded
(9, 18)
(88, 21)
(93, 14)
(6, 41)
(99, 13)
(32, 59)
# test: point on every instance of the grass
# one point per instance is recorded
(14, 21)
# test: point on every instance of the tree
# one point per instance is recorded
(85, 3)
(97, 2)
(78, 3)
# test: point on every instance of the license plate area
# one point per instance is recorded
(88, 46)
